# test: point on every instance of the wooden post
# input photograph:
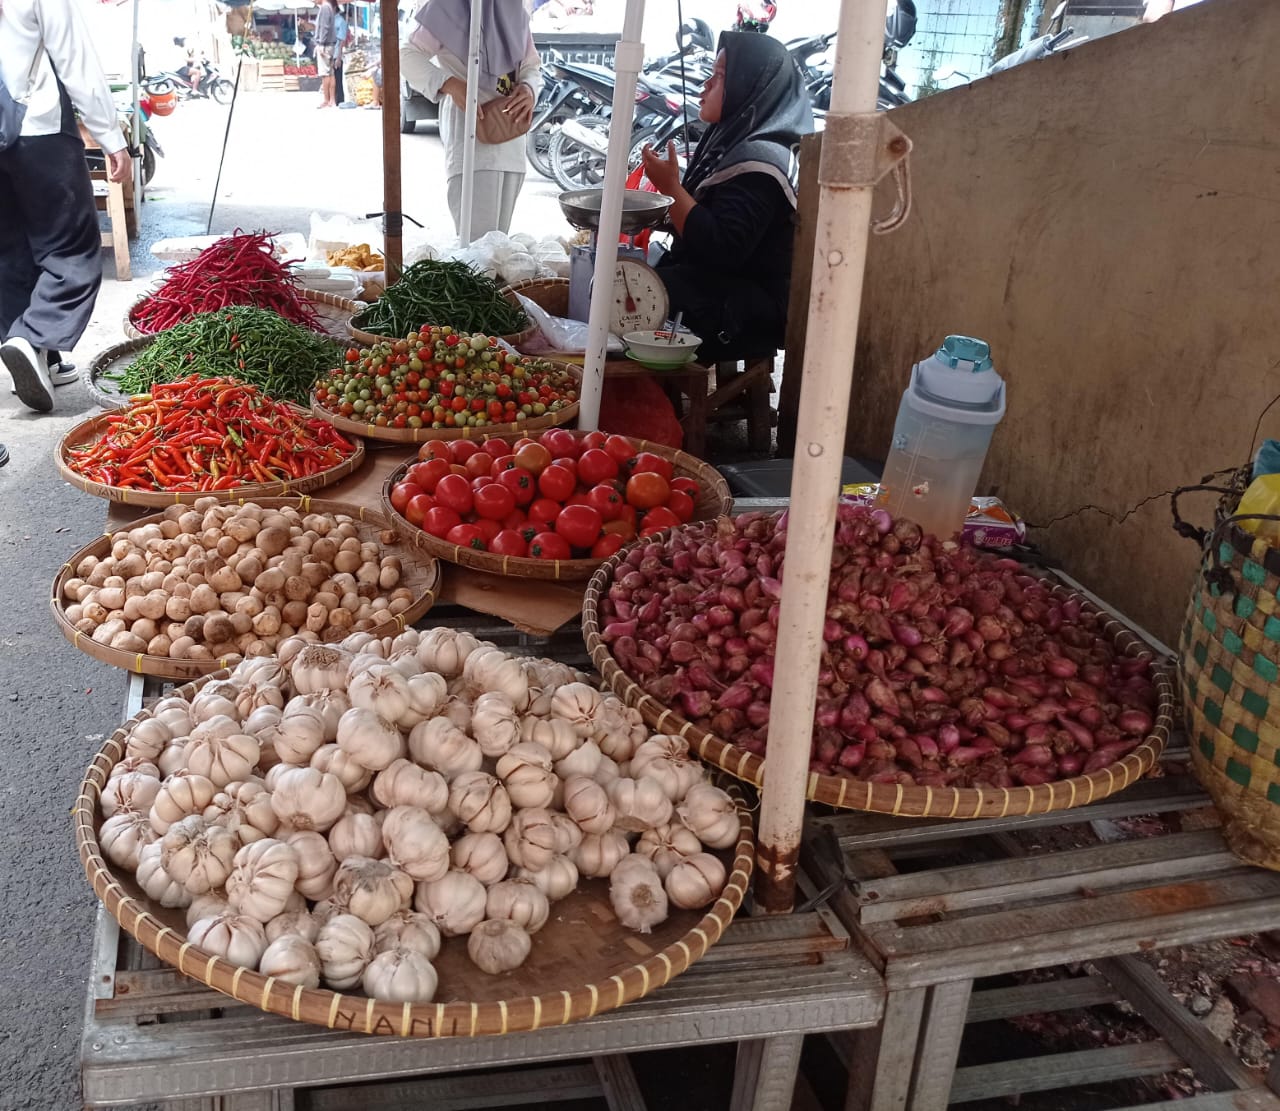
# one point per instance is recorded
(392, 216)
(846, 177)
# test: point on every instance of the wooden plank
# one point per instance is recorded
(883, 1058)
(1212, 1061)
(764, 1076)
(517, 1088)
(1095, 868)
(943, 1028)
(1255, 1099)
(1048, 997)
(1063, 1070)
(621, 1091)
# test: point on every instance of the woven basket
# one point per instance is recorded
(1229, 661)
(420, 573)
(714, 500)
(889, 798)
(369, 338)
(551, 294)
(582, 964)
(115, 358)
(334, 312)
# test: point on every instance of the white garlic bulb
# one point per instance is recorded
(696, 881)
(583, 760)
(245, 809)
(530, 839)
(293, 959)
(637, 898)
(556, 879)
(329, 704)
(237, 937)
(491, 669)
(372, 890)
(356, 834)
(408, 929)
(400, 976)
(175, 712)
(216, 724)
(380, 689)
(300, 732)
(131, 765)
(319, 667)
(568, 833)
(198, 855)
(666, 758)
(148, 738)
(181, 794)
(300, 923)
(556, 736)
(667, 845)
(345, 948)
(337, 762)
(498, 945)
(316, 864)
(438, 744)
(222, 760)
(587, 803)
(597, 854)
(577, 703)
(263, 877)
(404, 783)
(209, 905)
(526, 772)
(606, 772)
(133, 791)
(480, 802)
(415, 843)
(619, 729)
(495, 724)
(640, 804)
(482, 855)
(711, 814)
(172, 758)
(371, 740)
(455, 902)
(457, 712)
(305, 798)
(427, 694)
(445, 651)
(519, 900)
(156, 883)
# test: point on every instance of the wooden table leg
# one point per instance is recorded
(695, 420)
(940, 1033)
(765, 1076)
(884, 1057)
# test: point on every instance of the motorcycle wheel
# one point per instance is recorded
(537, 144)
(579, 167)
(148, 165)
(223, 90)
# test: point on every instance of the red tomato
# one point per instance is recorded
(595, 466)
(496, 448)
(521, 444)
(622, 528)
(547, 545)
(606, 500)
(594, 439)
(561, 443)
(646, 490)
(504, 463)
(458, 468)
(530, 529)
(556, 483)
(495, 501)
(462, 450)
(544, 511)
(418, 507)
(515, 519)
(570, 465)
(681, 504)
(659, 518)
(454, 492)
(603, 548)
(480, 464)
(534, 458)
(466, 536)
(440, 520)
(620, 448)
(401, 492)
(426, 475)
(579, 525)
(509, 542)
(488, 529)
(687, 486)
(646, 462)
(630, 516)
(435, 449)
(523, 486)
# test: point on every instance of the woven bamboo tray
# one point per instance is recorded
(94, 426)
(582, 963)
(567, 415)
(334, 312)
(420, 574)
(889, 798)
(714, 500)
(105, 393)
(551, 294)
(369, 338)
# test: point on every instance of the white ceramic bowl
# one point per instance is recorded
(657, 347)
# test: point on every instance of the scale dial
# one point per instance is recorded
(640, 301)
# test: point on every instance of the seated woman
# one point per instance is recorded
(729, 269)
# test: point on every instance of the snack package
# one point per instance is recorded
(988, 525)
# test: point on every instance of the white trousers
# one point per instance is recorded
(493, 201)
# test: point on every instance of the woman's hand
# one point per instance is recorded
(664, 173)
(456, 90)
(519, 105)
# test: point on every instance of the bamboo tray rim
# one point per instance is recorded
(344, 305)
(426, 591)
(250, 491)
(713, 484)
(890, 798)
(103, 361)
(339, 1010)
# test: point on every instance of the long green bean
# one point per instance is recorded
(444, 293)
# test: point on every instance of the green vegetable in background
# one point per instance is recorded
(446, 294)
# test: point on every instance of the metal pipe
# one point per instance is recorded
(392, 216)
(467, 205)
(840, 250)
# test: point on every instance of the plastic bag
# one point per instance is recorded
(332, 233)
(518, 267)
(1267, 461)
(561, 334)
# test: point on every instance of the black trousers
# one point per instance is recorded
(50, 242)
(338, 94)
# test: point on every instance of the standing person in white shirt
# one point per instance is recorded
(50, 242)
(433, 61)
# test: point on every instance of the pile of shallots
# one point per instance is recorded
(943, 666)
(332, 813)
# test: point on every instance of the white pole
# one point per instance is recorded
(627, 62)
(840, 250)
(135, 120)
(469, 128)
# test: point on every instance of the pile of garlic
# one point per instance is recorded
(332, 813)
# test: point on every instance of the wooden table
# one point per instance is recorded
(691, 381)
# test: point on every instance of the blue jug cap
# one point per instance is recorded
(958, 349)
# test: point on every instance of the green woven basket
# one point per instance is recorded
(1229, 660)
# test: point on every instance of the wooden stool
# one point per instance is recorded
(756, 381)
(109, 197)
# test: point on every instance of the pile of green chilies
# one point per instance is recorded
(253, 345)
(446, 294)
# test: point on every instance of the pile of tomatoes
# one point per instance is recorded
(440, 379)
(561, 496)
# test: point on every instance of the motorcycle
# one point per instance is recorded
(147, 152)
(211, 86)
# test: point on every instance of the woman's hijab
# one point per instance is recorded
(504, 35)
(766, 110)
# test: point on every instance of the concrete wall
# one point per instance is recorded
(1109, 220)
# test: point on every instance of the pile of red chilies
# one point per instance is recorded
(238, 269)
(203, 434)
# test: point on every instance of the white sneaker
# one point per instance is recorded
(60, 374)
(30, 374)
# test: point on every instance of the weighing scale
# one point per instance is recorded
(640, 299)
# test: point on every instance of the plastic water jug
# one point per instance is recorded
(940, 439)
